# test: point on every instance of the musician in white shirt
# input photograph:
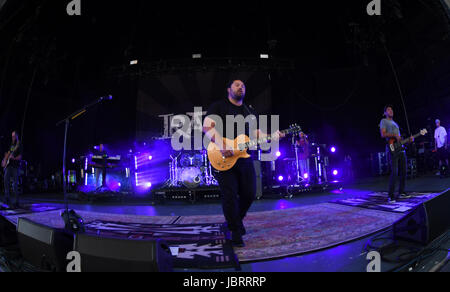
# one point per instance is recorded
(440, 138)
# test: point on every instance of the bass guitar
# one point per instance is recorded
(397, 146)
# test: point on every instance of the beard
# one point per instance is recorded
(239, 96)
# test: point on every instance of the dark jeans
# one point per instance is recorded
(442, 155)
(11, 173)
(398, 169)
(238, 187)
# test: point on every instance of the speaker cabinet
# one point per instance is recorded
(427, 222)
(44, 247)
(8, 234)
(101, 254)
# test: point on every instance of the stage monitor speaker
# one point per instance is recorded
(2, 2)
(8, 234)
(446, 5)
(427, 222)
(102, 254)
(44, 247)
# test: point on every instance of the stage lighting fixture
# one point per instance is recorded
(280, 178)
(264, 56)
(335, 172)
(134, 62)
(278, 154)
(333, 149)
(196, 56)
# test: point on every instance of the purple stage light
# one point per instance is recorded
(73, 160)
(150, 157)
(335, 172)
(306, 176)
(333, 149)
(280, 178)
(278, 154)
(148, 185)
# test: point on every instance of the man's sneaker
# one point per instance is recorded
(392, 199)
(242, 230)
(236, 239)
(405, 196)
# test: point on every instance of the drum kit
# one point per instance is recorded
(190, 169)
(304, 162)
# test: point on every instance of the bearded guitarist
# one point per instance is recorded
(238, 185)
(11, 164)
(391, 132)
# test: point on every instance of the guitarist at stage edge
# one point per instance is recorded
(398, 161)
(12, 171)
(238, 185)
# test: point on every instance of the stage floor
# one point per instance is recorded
(344, 257)
(146, 207)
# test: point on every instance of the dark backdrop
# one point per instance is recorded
(52, 64)
(180, 93)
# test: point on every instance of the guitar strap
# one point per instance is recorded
(247, 109)
(15, 148)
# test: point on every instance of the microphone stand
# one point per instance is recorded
(73, 222)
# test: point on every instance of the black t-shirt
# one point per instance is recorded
(224, 108)
(16, 153)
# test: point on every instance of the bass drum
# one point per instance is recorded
(191, 177)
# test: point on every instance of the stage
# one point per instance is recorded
(324, 231)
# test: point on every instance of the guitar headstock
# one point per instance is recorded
(424, 132)
(294, 129)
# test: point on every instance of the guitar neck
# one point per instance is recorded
(255, 143)
(407, 140)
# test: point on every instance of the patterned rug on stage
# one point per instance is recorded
(201, 246)
(26, 209)
(378, 201)
(271, 234)
(282, 233)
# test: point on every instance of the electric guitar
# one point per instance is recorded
(397, 146)
(240, 147)
(8, 156)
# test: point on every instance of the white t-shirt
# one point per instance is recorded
(440, 135)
